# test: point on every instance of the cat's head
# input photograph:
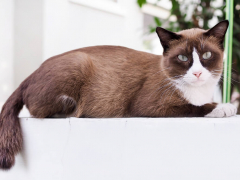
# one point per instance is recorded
(194, 56)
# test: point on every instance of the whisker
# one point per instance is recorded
(162, 82)
(172, 94)
(166, 90)
(159, 89)
(161, 70)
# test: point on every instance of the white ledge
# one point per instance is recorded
(128, 149)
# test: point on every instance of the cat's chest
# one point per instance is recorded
(198, 96)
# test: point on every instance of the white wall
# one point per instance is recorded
(28, 38)
(44, 28)
(72, 24)
(6, 48)
(128, 149)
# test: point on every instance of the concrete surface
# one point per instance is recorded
(128, 149)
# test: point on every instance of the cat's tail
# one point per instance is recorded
(11, 141)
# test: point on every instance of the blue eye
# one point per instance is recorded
(182, 58)
(207, 55)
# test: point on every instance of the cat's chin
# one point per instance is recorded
(197, 83)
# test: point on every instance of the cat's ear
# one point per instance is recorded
(166, 36)
(218, 31)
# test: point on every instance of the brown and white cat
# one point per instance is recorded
(113, 81)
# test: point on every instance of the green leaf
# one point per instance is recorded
(152, 29)
(141, 2)
(236, 43)
(157, 21)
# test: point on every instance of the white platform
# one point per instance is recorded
(128, 149)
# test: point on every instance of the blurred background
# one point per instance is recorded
(34, 30)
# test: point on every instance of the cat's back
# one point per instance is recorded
(104, 56)
(103, 60)
(121, 65)
(112, 55)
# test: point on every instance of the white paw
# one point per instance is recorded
(223, 110)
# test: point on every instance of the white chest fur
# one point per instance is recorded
(198, 96)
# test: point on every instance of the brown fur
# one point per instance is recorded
(107, 81)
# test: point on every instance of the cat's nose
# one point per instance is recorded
(197, 74)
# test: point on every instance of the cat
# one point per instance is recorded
(114, 81)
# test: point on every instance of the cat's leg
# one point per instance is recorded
(58, 106)
(56, 88)
(206, 110)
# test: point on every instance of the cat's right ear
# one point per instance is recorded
(166, 36)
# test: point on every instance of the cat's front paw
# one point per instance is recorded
(223, 110)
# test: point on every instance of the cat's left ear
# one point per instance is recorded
(218, 30)
(166, 37)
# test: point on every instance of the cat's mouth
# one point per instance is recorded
(196, 82)
(191, 82)
(199, 82)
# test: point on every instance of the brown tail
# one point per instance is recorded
(10, 129)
